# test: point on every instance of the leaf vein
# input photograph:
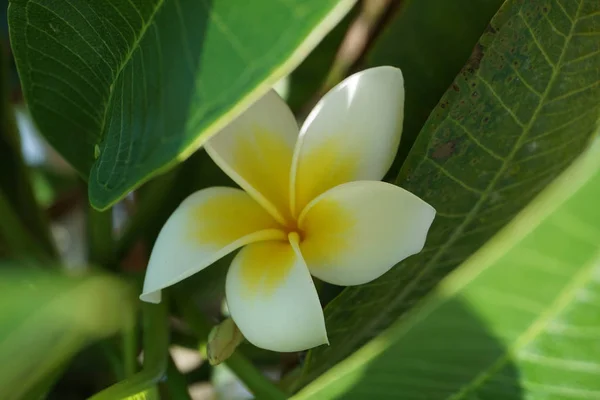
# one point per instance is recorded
(573, 92)
(82, 98)
(562, 126)
(92, 70)
(500, 101)
(575, 138)
(536, 41)
(100, 56)
(582, 58)
(122, 17)
(561, 363)
(67, 67)
(186, 44)
(594, 14)
(564, 11)
(540, 177)
(453, 178)
(87, 21)
(67, 99)
(476, 141)
(553, 27)
(62, 115)
(137, 10)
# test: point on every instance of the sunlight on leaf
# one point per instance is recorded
(124, 90)
(518, 320)
(46, 318)
(519, 113)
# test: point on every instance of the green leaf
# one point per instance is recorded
(176, 384)
(430, 40)
(518, 114)
(148, 394)
(46, 318)
(126, 89)
(518, 320)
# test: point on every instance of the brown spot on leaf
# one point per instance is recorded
(475, 58)
(444, 150)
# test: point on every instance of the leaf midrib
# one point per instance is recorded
(369, 327)
(135, 45)
(491, 186)
(538, 326)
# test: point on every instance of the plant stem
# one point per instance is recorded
(255, 381)
(176, 384)
(129, 350)
(156, 343)
(252, 378)
(100, 234)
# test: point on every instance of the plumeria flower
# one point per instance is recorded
(312, 204)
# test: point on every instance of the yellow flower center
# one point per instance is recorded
(292, 230)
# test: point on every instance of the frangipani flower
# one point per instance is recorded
(311, 204)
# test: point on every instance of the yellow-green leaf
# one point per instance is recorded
(46, 318)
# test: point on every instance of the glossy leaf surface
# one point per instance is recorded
(126, 89)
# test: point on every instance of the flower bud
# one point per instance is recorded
(223, 339)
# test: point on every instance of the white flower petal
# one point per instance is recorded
(207, 225)
(256, 149)
(272, 298)
(352, 134)
(357, 231)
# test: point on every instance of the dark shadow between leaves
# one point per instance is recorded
(450, 353)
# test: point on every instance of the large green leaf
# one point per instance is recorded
(520, 111)
(430, 40)
(47, 317)
(125, 89)
(518, 320)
